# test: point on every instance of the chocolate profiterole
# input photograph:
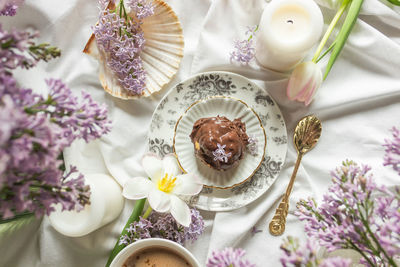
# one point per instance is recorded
(219, 142)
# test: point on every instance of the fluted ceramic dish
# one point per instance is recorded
(202, 86)
(161, 55)
(232, 109)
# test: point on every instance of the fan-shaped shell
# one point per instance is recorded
(161, 55)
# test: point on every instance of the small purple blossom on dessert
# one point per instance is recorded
(163, 225)
(392, 149)
(244, 50)
(229, 257)
(220, 154)
(253, 145)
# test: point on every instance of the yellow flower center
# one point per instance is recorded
(166, 184)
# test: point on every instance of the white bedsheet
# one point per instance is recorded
(357, 104)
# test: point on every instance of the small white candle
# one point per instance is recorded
(106, 203)
(287, 31)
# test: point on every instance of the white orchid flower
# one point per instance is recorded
(162, 187)
(304, 82)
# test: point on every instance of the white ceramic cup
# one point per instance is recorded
(106, 203)
(154, 242)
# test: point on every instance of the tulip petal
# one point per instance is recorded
(304, 82)
(188, 185)
(159, 201)
(153, 166)
(171, 166)
(180, 211)
(137, 188)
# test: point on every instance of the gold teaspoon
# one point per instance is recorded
(306, 135)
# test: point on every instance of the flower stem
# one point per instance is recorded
(361, 252)
(147, 212)
(329, 31)
(137, 210)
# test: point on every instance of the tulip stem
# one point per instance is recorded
(329, 31)
(326, 52)
(147, 212)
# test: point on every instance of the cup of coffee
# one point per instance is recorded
(155, 252)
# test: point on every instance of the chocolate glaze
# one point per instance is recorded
(208, 132)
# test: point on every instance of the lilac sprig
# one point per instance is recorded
(356, 214)
(120, 38)
(9, 7)
(220, 153)
(229, 257)
(163, 225)
(392, 149)
(244, 50)
(18, 49)
(306, 255)
(33, 133)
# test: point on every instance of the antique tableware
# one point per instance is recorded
(306, 136)
(161, 55)
(232, 109)
(202, 86)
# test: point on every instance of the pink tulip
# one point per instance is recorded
(304, 82)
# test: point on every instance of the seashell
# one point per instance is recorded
(161, 55)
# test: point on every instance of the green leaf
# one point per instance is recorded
(395, 2)
(344, 33)
(137, 211)
(12, 225)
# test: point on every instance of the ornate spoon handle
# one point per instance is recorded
(278, 222)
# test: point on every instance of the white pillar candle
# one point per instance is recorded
(106, 203)
(287, 31)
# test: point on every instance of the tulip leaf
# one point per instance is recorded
(344, 33)
(137, 211)
(395, 2)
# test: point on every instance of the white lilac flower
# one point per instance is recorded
(304, 82)
(220, 153)
(162, 187)
(253, 145)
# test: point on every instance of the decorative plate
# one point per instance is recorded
(205, 85)
(161, 55)
(232, 109)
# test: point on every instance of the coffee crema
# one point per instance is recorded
(156, 257)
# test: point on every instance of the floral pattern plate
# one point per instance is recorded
(202, 86)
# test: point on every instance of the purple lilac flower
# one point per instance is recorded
(244, 50)
(229, 257)
(306, 255)
(33, 133)
(220, 153)
(121, 39)
(355, 214)
(336, 262)
(392, 156)
(163, 225)
(255, 231)
(9, 7)
(253, 145)
(18, 49)
(85, 119)
(142, 8)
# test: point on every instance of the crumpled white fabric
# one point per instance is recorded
(358, 103)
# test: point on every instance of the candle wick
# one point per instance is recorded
(290, 21)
